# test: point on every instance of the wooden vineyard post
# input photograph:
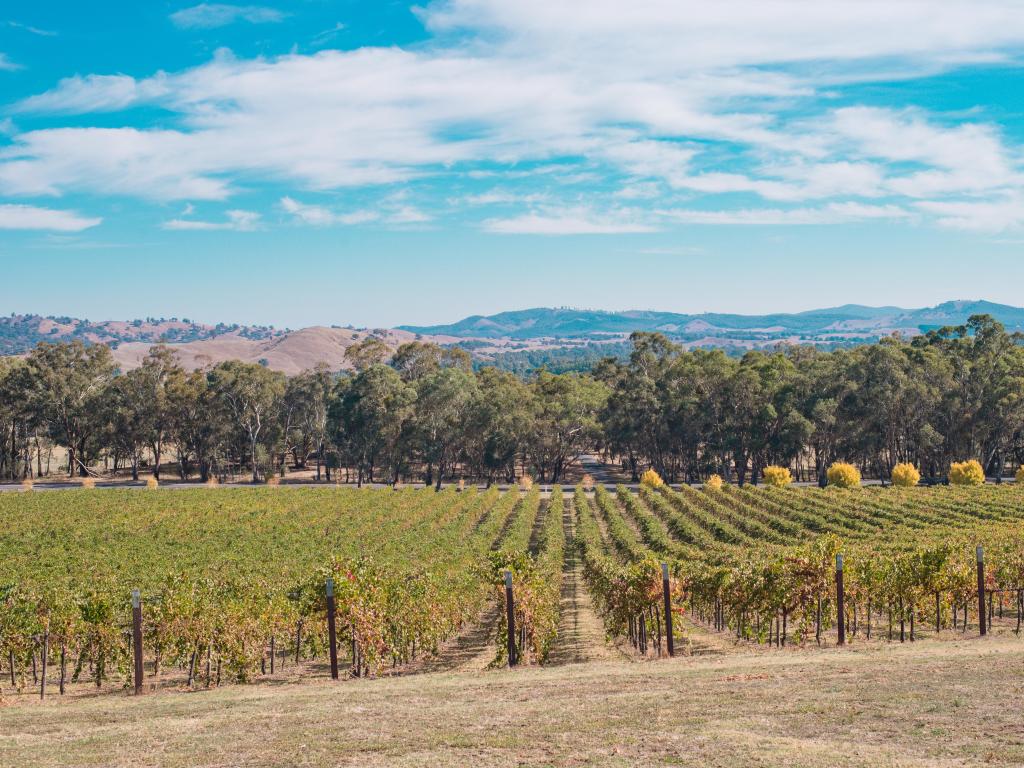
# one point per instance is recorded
(981, 589)
(510, 616)
(668, 609)
(840, 608)
(137, 638)
(332, 632)
(46, 652)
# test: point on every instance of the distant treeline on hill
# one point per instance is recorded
(423, 413)
(20, 333)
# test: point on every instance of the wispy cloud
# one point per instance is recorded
(211, 15)
(572, 221)
(997, 215)
(33, 30)
(390, 211)
(328, 34)
(236, 221)
(321, 216)
(6, 65)
(834, 213)
(33, 217)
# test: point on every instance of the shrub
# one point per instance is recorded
(843, 475)
(714, 482)
(273, 481)
(1019, 477)
(525, 483)
(651, 479)
(587, 482)
(152, 482)
(87, 482)
(212, 481)
(777, 477)
(905, 475)
(966, 473)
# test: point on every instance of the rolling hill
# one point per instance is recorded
(847, 319)
(561, 339)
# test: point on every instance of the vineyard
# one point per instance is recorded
(762, 563)
(232, 583)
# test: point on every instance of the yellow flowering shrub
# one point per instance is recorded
(713, 483)
(777, 477)
(1019, 477)
(843, 475)
(905, 475)
(966, 473)
(651, 479)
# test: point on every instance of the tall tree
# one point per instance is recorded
(68, 381)
(251, 394)
(375, 414)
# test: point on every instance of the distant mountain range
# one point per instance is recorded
(850, 320)
(560, 339)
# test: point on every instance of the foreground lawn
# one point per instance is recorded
(938, 703)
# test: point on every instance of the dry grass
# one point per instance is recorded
(922, 704)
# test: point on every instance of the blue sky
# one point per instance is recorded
(376, 163)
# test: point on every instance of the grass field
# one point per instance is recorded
(926, 704)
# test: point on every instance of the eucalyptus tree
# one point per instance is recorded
(376, 412)
(199, 422)
(20, 420)
(367, 352)
(567, 421)
(444, 399)
(68, 381)
(159, 373)
(500, 420)
(251, 395)
(306, 406)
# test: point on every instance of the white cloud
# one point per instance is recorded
(6, 65)
(390, 211)
(236, 221)
(211, 15)
(320, 216)
(1004, 213)
(571, 221)
(906, 136)
(162, 165)
(834, 213)
(95, 93)
(659, 100)
(33, 217)
(732, 33)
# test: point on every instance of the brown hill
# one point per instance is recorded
(290, 352)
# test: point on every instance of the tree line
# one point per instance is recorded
(422, 412)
